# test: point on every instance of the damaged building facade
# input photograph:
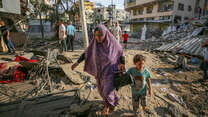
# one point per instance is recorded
(161, 13)
(13, 11)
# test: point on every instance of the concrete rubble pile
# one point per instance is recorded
(185, 46)
(186, 40)
(46, 65)
(170, 35)
(178, 34)
(50, 77)
(38, 44)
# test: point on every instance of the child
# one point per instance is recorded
(125, 37)
(141, 85)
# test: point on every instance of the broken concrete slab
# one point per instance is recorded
(28, 55)
(196, 32)
(64, 59)
(175, 109)
(72, 75)
(78, 109)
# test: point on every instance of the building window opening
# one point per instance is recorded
(165, 17)
(141, 19)
(129, 1)
(186, 18)
(177, 19)
(150, 18)
(165, 7)
(189, 8)
(140, 11)
(149, 9)
(1, 4)
(134, 12)
(181, 7)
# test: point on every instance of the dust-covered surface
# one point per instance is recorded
(52, 89)
(165, 80)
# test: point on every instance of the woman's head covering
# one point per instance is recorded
(102, 56)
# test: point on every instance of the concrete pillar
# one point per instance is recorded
(84, 25)
(155, 8)
(145, 12)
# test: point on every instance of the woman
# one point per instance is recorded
(102, 58)
(6, 36)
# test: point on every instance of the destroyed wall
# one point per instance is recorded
(153, 29)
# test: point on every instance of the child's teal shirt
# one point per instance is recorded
(146, 74)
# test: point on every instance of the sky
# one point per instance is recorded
(119, 3)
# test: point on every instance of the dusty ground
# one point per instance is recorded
(185, 84)
(165, 80)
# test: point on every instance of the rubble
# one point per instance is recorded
(188, 46)
(188, 39)
(53, 89)
(80, 109)
(169, 30)
(18, 39)
(176, 98)
(174, 109)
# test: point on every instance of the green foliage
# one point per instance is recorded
(57, 10)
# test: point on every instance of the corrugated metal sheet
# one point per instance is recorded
(191, 46)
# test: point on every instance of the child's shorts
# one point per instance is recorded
(137, 100)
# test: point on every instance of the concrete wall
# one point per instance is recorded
(137, 2)
(141, 2)
(154, 13)
(185, 13)
(138, 27)
(11, 6)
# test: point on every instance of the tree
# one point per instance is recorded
(70, 8)
(55, 11)
(39, 9)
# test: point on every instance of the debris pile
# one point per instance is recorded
(184, 46)
(172, 38)
(48, 77)
(186, 40)
(178, 34)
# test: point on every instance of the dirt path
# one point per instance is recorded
(165, 81)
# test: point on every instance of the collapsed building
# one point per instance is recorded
(158, 14)
(188, 39)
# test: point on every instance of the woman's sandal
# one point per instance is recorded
(108, 110)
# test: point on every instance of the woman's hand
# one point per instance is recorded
(122, 67)
(74, 65)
